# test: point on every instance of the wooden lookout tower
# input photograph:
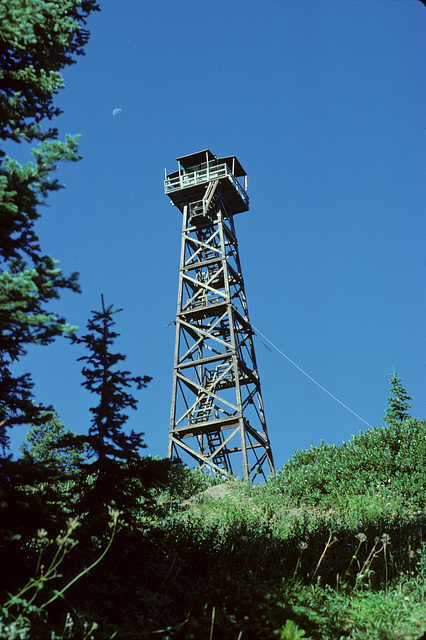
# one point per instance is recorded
(217, 414)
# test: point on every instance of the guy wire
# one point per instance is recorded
(310, 377)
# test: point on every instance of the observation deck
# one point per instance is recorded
(190, 182)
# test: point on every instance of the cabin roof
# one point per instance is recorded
(200, 157)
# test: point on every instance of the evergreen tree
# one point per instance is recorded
(398, 401)
(38, 39)
(45, 444)
(118, 476)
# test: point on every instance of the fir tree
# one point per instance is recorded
(118, 476)
(38, 39)
(398, 402)
(45, 444)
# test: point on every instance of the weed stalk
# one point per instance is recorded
(331, 540)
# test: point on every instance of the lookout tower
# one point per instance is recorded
(217, 410)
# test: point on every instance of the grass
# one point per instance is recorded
(268, 562)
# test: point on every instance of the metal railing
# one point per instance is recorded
(185, 180)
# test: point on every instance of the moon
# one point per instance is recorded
(114, 113)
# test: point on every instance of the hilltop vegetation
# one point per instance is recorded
(307, 551)
(97, 541)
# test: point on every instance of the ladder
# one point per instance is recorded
(208, 196)
(214, 440)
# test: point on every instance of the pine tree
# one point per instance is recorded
(38, 39)
(118, 476)
(398, 401)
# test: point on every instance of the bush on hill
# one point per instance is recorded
(386, 461)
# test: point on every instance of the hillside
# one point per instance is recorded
(333, 545)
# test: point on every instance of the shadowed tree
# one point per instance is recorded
(44, 444)
(38, 39)
(118, 476)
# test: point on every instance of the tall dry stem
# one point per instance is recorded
(331, 540)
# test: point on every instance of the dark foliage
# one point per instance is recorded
(44, 444)
(117, 476)
(37, 40)
(29, 501)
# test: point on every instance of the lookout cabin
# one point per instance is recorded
(197, 170)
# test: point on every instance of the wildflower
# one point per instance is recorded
(72, 524)
(114, 517)
(361, 537)
(65, 541)
(92, 628)
(303, 546)
(69, 623)
(385, 538)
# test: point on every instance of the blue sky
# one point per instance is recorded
(323, 104)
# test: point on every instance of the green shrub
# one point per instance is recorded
(384, 459)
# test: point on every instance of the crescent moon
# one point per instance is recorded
(114, 113)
